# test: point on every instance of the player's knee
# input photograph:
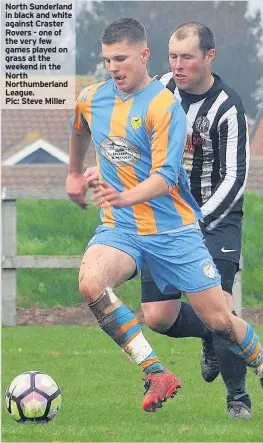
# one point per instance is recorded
(157, 324)
(219, 323)
(156, 319)
(89, 287)
(229, 300)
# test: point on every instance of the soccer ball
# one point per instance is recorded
(33, 396)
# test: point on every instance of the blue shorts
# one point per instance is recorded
(178, 261)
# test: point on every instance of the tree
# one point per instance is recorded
(238, 37)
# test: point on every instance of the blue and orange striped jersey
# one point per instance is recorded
(134, 137)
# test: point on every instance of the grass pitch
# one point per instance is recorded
(102, 391)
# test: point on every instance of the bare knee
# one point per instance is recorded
(89, 287)
(99, 269)
(221, 324)
(229, 300)
(211, 307)
(90, 284)
(155, 322)
(160, 316)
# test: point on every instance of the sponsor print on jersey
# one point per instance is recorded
(188, 162)
(208, 158)
(188, 155)
(201, 146)
(120, 151)
(189, 147)
(198, 140)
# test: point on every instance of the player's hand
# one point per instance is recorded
(76, 188)
(105, 195)
(92, 177)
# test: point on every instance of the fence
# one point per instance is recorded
(11, 261)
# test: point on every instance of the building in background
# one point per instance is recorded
(35, 147)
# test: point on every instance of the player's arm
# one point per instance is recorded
(91, 175)
(78, 146)
(167, 140)
(147, 190)
(234, 161)
(106, 195)
(80, 138)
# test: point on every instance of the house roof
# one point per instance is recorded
(21, 126)
(30, 144)
(34, 176)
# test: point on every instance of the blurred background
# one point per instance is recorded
(35, 151)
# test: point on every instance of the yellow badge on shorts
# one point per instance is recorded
(209, 271)
(136, 122)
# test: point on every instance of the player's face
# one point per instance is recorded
(191, 67)
(126, 63)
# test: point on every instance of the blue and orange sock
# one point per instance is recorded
(250, 349)
(122, 326)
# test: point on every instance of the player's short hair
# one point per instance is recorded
(123, 29)
(206, 37)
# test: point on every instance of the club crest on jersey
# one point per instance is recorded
(209, 270)
(202, 124)
(136, 122)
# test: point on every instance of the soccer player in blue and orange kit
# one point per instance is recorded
(147, 211)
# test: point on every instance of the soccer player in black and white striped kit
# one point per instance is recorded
(216, 158)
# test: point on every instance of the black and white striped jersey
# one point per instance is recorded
(216, 155)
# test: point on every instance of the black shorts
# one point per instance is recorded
(225, 241)
(224, 244)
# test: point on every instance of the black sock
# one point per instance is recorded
(233, 370)
(188, 324)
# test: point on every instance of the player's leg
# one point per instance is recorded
(166, 314)
(100, 272)
(210, 367)
(211, 307)
(181, 260)
(224, 244)
(231, 366)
